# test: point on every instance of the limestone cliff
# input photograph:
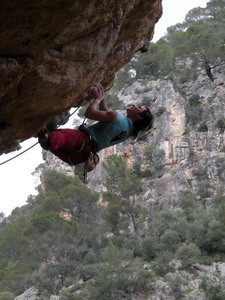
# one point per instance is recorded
(187, 154)
(190, 157)
(52, 52)
(184, 155)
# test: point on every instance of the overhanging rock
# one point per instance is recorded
(51, 52)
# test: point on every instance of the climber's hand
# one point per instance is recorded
(97, 92)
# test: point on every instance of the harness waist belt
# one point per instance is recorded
(93, 142)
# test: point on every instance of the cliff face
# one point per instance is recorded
(182, 155)
(52, 52)
(187, 142)
(187, 152)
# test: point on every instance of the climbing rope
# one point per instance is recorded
(4, 162)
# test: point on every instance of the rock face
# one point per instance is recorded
(30, 294)
(52, 52)
(193, 155)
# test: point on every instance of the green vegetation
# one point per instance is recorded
(155, 157)
(200, 37)
(99, 244)
(213, 292)
(221, 124)
(6, 296)
(194, 110)
(161, 110)
(203, 127)
(64, 234)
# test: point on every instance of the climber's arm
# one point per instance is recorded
(98, 109)
(103, 105)
(93, 112)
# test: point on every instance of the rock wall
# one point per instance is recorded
(190, 155)
(52, 52)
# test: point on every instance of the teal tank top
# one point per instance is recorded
(109, 133)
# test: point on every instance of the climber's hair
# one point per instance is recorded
(144, 124)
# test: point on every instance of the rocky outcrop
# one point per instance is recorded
(193, 154)
(190, 153)
(189, 286)
(52, 52)
(179, 284)
(30, 294)
(188, 156)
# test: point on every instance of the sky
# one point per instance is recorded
(17, 183)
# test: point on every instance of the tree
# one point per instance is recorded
(124, 76)
(118, 277)
(215, 9)
(188, 254)
(195, 15)
(123, 187)
(65, 193)
(6, 296)
(157, 62)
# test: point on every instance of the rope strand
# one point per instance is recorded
(4, 162)
(18, 154)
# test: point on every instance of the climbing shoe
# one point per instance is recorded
(43, 138)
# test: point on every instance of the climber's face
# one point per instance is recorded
(134, 112)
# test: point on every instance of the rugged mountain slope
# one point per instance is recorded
(185, 153)
(52, 52)
(187, 143)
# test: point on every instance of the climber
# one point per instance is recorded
(74, 146)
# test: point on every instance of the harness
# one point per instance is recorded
(92, 160)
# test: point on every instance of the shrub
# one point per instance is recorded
(162, 266)
(158, 159)
(137, 168)
(203, 189)
(213, 292)
(146, 173)
(6, 296)
(221, 124)
(47, 280)
(146, 101)
(142, 136)
(194, 100)
(155, 156)
(186, 131)
(148, 152)
(194, 111)
(201, 173)
(188, 254)
(194, 114)
(112, 100)
(203, 127)
(160, 111)
(170, 239)
(187, 200)
(176, 286)
(150, 248)
(215, 236)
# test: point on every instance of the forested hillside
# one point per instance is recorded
(157, 228)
